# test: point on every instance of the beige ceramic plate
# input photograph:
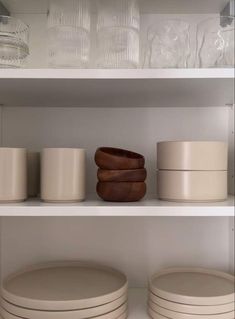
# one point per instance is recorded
(179, 315)
(190, 309)
(192, 155)
(120, 313)
(64, 286)
(192, 186)
(74, 314)
(193, 286)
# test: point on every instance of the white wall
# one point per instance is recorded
(138, 129)
(137, 246)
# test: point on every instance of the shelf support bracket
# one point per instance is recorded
(228, 11)
(3, 10)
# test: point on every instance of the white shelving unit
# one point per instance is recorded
(147, 207)
(133, 109)
(115, 88)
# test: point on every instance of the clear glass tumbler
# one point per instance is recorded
(118, 24)
(69, 33)
(14, 38)
(169, 44)
(215, 43)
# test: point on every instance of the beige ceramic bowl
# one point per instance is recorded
(13, 175)
(33, 171)
(198, 156)
(63, 175)
(192, 186)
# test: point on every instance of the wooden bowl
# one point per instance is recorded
(124, 175)
(116, 158)
(121, 191)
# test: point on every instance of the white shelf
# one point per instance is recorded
(116, 88)
(147, 6)
(149, 207)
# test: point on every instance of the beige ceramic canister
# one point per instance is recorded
(13, 174)
(192, 186)
(33, 172)
(192, 155)
(63, 174)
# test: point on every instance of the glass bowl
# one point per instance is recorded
(14, 38)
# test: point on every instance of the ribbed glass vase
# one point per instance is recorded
(118, 23)
(69, 33)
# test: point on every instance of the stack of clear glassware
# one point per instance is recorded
(14, 39)
(118, 25)
(69, 33)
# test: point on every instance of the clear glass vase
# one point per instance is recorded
(14, 38)
(168, 44)
(69, 33)
(215, 43)
(118, 24)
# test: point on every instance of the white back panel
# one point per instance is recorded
(137, 246)
(138, 129)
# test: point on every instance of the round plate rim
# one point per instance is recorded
(179, 315)
(122, 315)
(62, 305)
(199, 301)
(190, 309)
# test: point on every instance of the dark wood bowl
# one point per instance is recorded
(123, 175)
(121, 191)
(116, 158)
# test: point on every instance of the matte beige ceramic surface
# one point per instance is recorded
(120, 313)
(179, 315)
(75, 314)
(33, 173)
(69, 286)
(189, 155)
(63, 175)
(152, 314)
(13, 174)
(190, 309)
(192, 186)
(193, 286)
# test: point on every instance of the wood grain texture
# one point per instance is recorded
(116, 158)
(131, 175)
(121, 191)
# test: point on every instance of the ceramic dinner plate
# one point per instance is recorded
(64, 286)
(179, 315)
(193, 286)
(75, 314)
(120, 313)
(190, 309)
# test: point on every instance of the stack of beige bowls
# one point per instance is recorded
(191, 293)
(192, 171)
(65, 290)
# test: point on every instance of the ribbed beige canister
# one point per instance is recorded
(33, 171)
(192, 186)
(13, 174)
(192, 155)
(63, 174)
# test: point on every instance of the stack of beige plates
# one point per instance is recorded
(192, 171)
(65, 290)
(191, 293)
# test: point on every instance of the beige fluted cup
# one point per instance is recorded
(13, 174)
(63, 175)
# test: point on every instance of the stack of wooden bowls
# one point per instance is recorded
(65, 290)
(192, 171)
(189, 293)
(121, 175)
